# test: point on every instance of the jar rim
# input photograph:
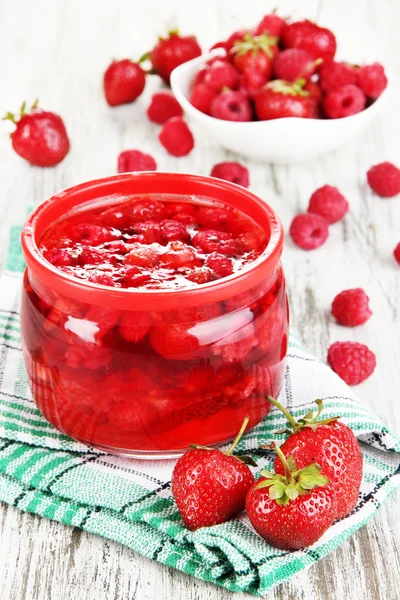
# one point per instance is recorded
(151, 182)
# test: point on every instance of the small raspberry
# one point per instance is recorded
(213, 218)
(211, 240)
(231, 106)
(293, 64)
(149, 231)
(384, 179)
(176, 137)
(353, 362)
(372, 80)
(221, 265)
(344, 101)
(333, 75)
(231, 171)
(201, 97)
(396, 253)
(134, 160)
(60, 256)
(309, 231)
(351, 308)
(329, 203)
(92, 235)
(198, 275)
(221, 74)
(251, 81)
(173, 230)
(163, 106)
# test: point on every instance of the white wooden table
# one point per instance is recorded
(58, 51)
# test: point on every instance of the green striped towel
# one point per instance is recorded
(130, 501)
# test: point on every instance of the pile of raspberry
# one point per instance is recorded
(283, 69)
(145, 243)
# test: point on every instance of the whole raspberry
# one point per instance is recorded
(134, 160)
(396, 253)
(334, 75)
(372, 80)
(384, 179)
(231, 106)
(201, 97)
(344, 101)
(309, 231)
(251, 81)
(293, 64)
(221, 74)
(176, 137)
(231, 171)
(329, 203)
(163, 106)
(351, 308)
(221, 265)
(353, 362)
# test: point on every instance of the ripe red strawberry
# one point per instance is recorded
(135, 160)
(171, 52)
(384, 179)
(279, 99)
(314, 89)
(176, 137)
(372, 80)
(330, 444)
(318, 41)
(293, 64)
(163, 106)
(40, 136)
(210, 486)
(333, 75)
(344, 101)
(255, 52)
(351, 307)
(231, 105)
(293, 507)
(201, 97)
(123, 82)
(271, 25)
(353, 362)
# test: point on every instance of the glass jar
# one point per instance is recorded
(217, 350)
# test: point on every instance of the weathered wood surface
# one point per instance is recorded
(58, 51)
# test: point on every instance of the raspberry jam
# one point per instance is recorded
(154, 311)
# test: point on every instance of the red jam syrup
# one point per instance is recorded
(143, 382)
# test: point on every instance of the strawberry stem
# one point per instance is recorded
(286, 466)
(287, 414)
(239, 435)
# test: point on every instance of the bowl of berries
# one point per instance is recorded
(154, 311)
(277, 93)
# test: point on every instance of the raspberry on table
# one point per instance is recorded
(396, 253)
(309, 231)
(201, 97)
(384, 179)
(345, 101)
(163, 106)
(231, 105)
(231, 171)
(221, 74)
(329, 203)
(353, 362)
(176, 137)
(372, 80)
(135, 160)
(351, 307)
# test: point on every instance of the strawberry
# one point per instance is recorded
(255, 52)
(280, 99)
(318, 41)
(291, 510)
(333, 446)
(293, 64)
(123, 82)
(271, 24)
(40, 136)
(171, 52)
(210, 486)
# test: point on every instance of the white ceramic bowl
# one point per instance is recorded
(287, 140)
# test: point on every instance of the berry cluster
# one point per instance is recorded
(283, 69)
(316, 480)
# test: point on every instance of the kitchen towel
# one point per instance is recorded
(130, 501)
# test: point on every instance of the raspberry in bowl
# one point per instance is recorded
(154, 311)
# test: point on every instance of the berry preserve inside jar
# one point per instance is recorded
(154, 311)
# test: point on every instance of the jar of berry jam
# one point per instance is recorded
(154, 311)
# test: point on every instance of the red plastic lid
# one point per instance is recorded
(117, 187)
